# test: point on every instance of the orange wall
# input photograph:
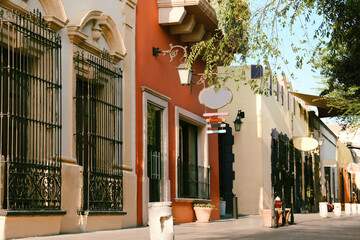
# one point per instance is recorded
(159, 74)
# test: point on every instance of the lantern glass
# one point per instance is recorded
(237, 124)
(185, 75)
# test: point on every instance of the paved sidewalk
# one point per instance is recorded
(307, 226)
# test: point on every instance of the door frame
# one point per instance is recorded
(202, 142)
(161, 101)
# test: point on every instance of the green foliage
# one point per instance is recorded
(230, 39)
(204, 205)
(340, 63)
(242, 35)
(255, 35)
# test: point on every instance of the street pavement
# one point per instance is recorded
(307, 226)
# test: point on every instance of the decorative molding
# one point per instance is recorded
(32, 213)
(54, 12)
(55, 23)
(123, 167)
(196, 35)
(54, 8)
(202, 140)
(185, 27)
(12, 6)
(76, 36)
(171, 15)
(204, 5)
(192, 200)
(150, 96)
(132, 3)
(192, 28)
(109, 30)
(152, 92)
(112, 36)
(68, 160)
(83, 17)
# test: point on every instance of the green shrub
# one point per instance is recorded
(207, 205)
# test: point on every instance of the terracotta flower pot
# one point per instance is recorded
(203, 214)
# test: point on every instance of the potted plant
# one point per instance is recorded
(203, 212)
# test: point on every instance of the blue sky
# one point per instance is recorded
(305, 80)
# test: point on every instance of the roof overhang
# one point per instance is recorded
(193, 20)
(322, 104)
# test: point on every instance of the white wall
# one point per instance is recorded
(252, 145)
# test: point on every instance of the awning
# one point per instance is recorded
(320, 102)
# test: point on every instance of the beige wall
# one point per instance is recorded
(252, 145)
(71, 198)
(62, 13)
(27, 226)
(130, 199)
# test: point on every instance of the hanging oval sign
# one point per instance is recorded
(357, 180)
(352, 167)
(215, 99)
(305, 143)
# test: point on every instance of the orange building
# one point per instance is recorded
(176, 159)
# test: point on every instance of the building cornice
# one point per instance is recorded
(204, 5)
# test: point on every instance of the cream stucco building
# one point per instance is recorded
(67, 116)
(279, 113)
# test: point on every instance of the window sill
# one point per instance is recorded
(191, 200)
(102, 212)
(32, 213)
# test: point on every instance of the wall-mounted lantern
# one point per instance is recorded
(238, 122)
(185, 74)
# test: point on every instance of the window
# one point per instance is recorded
(98, 131)
(282, 166)
(193, 173)
(288, 99)
(277, 91)
(271, 86)
(188, 162)
(154, 151)
(30, 85)
(282, 95)
(294, 106)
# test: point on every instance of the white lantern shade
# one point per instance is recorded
(184, 74)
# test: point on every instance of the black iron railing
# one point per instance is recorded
(193, 181)
(99, 130)
(30, 111)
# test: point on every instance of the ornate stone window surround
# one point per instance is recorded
(103, 26)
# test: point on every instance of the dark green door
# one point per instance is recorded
(154, 125)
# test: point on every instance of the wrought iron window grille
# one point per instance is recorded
(30, 113)
(98, 134)
(197, 187)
